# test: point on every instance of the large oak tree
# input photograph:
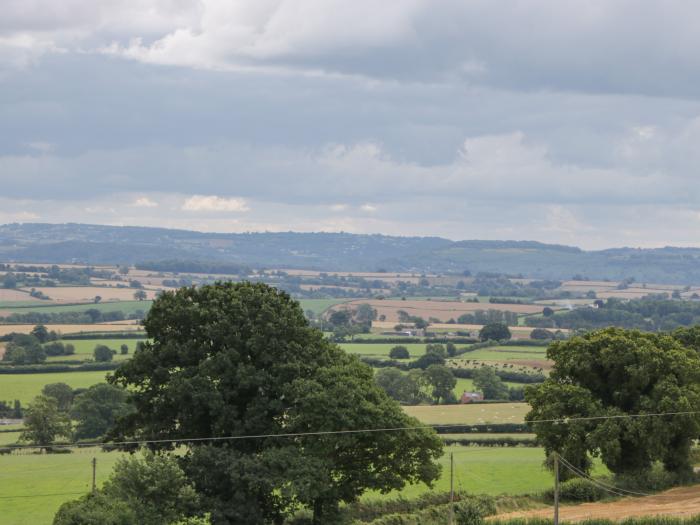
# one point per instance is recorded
(240, 360)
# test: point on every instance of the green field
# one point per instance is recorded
(382, 349)
(84, 348)
(127, 307)
(506, 353)
(27, 386)
(469, 414)
(489, 470)
(9, 438)
(27, 482)
(318, 306)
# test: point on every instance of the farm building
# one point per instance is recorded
(470, 397)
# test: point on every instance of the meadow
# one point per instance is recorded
(318, 306)
(85, 347)
(33, 486)
(26, 387)
(126, 307)
(382, 349)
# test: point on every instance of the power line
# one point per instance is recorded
(337, 432)
(610, 488)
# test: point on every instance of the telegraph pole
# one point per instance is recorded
(556, 488)
(94, 471)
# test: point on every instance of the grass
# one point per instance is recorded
(34, 486)
(318, 306)
(485, 470)
(27, 386)
(506, 353)
(469, 414)
(127, 307)
(9, 438)
(382, 349)
(84, 348)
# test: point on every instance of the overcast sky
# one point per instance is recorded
(560, 121)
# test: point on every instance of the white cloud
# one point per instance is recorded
(144, 202)
(214, 203)
(368, 208)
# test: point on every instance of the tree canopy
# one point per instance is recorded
(239, 359)
(615, 372)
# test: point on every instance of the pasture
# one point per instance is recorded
(318, 306)
(34, 486)
(85, 347)
(485, 470)
(471, 414)
(126, 307)
(27, 386)
(382, 349)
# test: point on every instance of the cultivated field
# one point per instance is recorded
(8, 296)
(73, 328)
(469, 414)
(442, 310)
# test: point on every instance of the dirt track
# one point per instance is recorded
(682, 501)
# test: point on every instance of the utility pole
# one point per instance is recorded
(556, 488)
(452, 488)
(94, 471)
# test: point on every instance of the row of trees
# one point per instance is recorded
(62, 412)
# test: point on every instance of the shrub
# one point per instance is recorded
(399, 352)
(577, 490)
(103, 353)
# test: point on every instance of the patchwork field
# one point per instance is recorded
(442, 310)
(126, 307)
(85, 294)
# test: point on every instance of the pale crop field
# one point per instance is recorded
(9, 296)
(470, 414)
(442, 310)
(72, 328)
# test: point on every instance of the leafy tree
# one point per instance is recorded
(240, 359)
(9, 280)
(124, 349)
(442, 381)
(364, 313)
(340, 317)
(24, 349)
(495, 332)
(68, 349)
(427, 360)
(103, 353)
(97, 408)
(406, 388)
(541, 334)
(419, 323)
(61, 392)
(489, 384)
(41, 333)
(152, 490)
(547, 311)
(97, 299)
(451, 349)
(399, 352)
(95, 509)
(140, 295)
(43, 422)
(615, 372)
(436, 349)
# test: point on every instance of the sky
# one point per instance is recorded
(560, 121)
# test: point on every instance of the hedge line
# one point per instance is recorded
(406, 340)
(485, 428)
(488, 442)
(104, 335)
(45, 369)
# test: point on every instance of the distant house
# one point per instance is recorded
(470, 397)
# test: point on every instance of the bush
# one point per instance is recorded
(103, 353)
(472, 511)
(399, 352)
(577, 490)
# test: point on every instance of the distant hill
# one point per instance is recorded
(93, 244)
